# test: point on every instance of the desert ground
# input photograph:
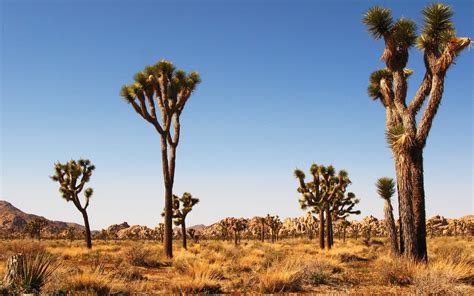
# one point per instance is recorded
(214, 266)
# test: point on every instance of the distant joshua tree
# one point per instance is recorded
(406, 138)
(71, 233)
(193, 235)
(72, 178)
(170, 89)
(325, 195)
(160, 230)
(35, 227)
(275, 224)
(386, 190)
(263, 222)
(237, 226)
(223, 227)
(181, 208)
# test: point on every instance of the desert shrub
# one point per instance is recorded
(396, 271)
(434, 282)
(198, 278)
(318, 272)
(348, 258)
(452, 253)
(272, 258)
(129, 274)
(189, 285)
(137, 255)
(278, 281)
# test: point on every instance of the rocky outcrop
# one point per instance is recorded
(13, 222)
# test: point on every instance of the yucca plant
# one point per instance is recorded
(34, 270)
(386, 189)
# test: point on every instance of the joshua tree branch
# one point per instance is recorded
(421, 94)
(387, 94)
(430, 111)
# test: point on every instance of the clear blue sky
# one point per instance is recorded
(283, 85)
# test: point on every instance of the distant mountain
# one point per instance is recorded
(13, 221)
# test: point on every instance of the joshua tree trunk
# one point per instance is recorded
(321, 228)
(419, 214)
(406, 208)
(391, 229)
(328, 228)
(88, 229)
(262, 237)
(331, 236)
(168, 176)
(402, 245)
(183, 230)
(344, 234)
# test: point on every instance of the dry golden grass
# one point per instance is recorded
(286, 266)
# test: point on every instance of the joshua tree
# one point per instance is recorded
(275, 224)
(407, 140)
(344, 225)
(263, 222)
(181, 208)
(35, 227)
(321, 195)
(72, 177)
(343, 206)
(386, 189)
(193, 235)
(237, 226)
(170, 89)
(356, 228)
(223, 227)
(71, 233)
(160, 230)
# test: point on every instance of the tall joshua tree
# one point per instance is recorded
(181, 208)
(170, 89)
(72, 178)
(406, 137)
(386, 189)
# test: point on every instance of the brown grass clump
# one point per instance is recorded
(88, 283)
(278, 279)
(396, 271)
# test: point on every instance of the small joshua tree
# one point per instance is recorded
(35, 227)
(181, 208)
(71, 233)
(275, 224)
(160, 230)
(322, 195)
(193, 235)
(72, 178)
(386, 190)
(237, 226)
(162, 86)
(263, 222)
(223, 227)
